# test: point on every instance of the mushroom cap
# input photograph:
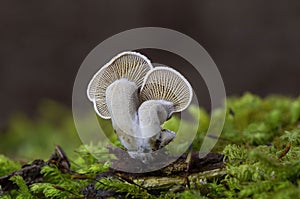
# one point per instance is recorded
(127, 65)
(164, 83)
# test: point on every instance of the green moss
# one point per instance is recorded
(7, 166)
(23, 191)
(260, 140)
(122, 187)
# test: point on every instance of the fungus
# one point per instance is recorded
(164, 91)
(131, 66)
(114, 92)
(137, 116)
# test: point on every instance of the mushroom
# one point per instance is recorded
(164, 92)
(114, 92)
(137, 116)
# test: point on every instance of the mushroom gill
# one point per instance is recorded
(128, 65)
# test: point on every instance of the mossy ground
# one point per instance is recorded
(260, 139)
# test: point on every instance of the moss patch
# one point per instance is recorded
(260, 140)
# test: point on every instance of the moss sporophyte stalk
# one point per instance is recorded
(257, 156)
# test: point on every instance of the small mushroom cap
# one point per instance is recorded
(164, 83)
(127, 65)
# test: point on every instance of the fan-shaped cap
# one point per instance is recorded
(164, 83)
(127, 65)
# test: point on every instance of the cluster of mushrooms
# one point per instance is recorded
(139, 98)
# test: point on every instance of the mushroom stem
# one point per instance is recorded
(152, 114)
(122, 103)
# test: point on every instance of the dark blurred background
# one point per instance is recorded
(255, 44)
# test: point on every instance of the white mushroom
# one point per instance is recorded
(127, 65)
(114, 92)
(164, 91)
